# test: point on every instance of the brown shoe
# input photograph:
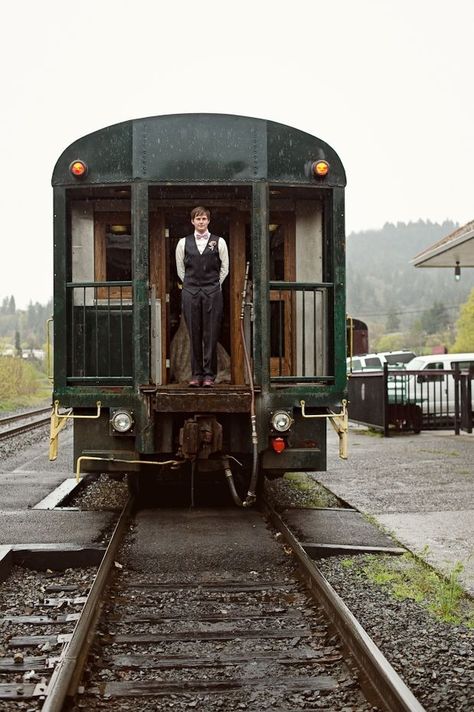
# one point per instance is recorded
(194, 383)
(208, 382)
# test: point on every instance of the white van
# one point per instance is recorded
(435, 392)
(375, 362)
(441, 361)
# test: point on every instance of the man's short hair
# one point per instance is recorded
(199, 210)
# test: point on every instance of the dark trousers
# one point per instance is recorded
(203, 315)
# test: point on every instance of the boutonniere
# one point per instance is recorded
(212, 244)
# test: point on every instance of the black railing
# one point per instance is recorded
(412, 400)
(466, 404)
(299, 317)
(100, 334)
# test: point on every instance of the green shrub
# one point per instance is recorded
(20, 383)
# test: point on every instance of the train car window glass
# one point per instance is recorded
(277, 252)
(277, 332)
(297, 255)
(281, 232)
(113, 253)
(118, 253)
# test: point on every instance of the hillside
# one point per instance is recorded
(380, 278)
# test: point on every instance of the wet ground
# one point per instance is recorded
(418, 487)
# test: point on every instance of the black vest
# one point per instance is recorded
(201, 272)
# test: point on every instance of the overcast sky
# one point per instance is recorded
(388, 83)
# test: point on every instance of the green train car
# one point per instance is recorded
(122, 200)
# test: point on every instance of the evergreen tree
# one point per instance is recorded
(435, 319)
(393, 322)
(18, 349)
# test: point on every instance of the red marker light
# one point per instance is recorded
(278, 444)
(78, 169)
(320, 169)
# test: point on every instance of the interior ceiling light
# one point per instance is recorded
(119, 229)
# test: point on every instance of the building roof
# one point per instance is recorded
(458, 246)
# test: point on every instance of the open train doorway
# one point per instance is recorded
(169, 221)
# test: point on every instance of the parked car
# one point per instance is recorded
(375, 361)
(441, 362)
(435, 392)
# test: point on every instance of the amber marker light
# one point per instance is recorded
(78, 169)
(320, 169)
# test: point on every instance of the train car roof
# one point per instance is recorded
(199, 148)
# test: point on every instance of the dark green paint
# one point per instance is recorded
(203, 149)
(199, 148)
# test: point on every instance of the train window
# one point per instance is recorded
(277, 334)
(281, 234)
(277, 252)
(298, 255)
(118, 253)
(113, 253)
(101, 243)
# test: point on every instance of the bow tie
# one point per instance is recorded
(201, 237)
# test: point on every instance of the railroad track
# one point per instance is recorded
(187, 636)
(13, 425)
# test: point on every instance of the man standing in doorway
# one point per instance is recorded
(202, 262)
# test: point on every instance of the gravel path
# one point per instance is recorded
(434, 658)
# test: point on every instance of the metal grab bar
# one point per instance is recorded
(339, 421)
(58, 421)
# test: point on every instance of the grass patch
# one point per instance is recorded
(407, 577)
(21, 384)
(370, 432)
(315, 494)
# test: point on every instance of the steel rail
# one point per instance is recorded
(378, 676)
(21, 416)
(12, 431)
(68, 671)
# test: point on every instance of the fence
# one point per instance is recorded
(412, 400)
(99, 327)
(299, 317)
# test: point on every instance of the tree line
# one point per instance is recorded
(23, 329)
(419, 309)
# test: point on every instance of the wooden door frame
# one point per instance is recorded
(284, 366)
(237, 223)
(159, 256)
